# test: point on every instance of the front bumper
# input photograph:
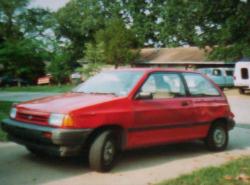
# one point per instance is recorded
(230, 123)
(55, 141)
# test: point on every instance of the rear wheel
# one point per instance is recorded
(217, 138)
(103, 152)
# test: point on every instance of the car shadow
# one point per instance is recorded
(18, 166)
(149, 157)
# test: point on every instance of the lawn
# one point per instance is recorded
(41, 88)
(236, 172)
(4, 111)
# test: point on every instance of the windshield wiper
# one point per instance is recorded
(78, 92)
(104, 93)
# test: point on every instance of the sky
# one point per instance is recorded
(51, 4)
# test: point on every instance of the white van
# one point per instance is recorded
(242, 76)
(221, 76)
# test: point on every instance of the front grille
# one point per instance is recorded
(32, 118)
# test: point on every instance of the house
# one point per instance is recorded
(181, 57)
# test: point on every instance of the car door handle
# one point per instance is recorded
(184, 103)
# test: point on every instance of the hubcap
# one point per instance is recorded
(219, 137)
(108, 153)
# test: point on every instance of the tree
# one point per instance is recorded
(9, 14)
(22, 47)
(23, 58)
(142, 17)
(94, 53)
(224, 26)
(118, 43)
(78, 22)
(59, 67)
(93, 60)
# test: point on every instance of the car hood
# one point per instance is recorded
(65, 103)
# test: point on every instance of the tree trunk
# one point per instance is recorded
(116, 64)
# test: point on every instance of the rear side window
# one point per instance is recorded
(217, 72)
(244, 73)
(200, 86)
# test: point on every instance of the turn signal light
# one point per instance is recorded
(67, 121)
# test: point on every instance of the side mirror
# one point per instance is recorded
(144, 96)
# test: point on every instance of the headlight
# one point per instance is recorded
(60, 120)
(13, 113)
(56, 119)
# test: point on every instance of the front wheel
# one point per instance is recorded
(217, 138)
(103, 152)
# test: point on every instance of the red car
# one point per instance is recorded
(123, 109)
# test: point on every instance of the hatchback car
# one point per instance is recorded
(123, 109)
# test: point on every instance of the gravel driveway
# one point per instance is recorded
(145, 166)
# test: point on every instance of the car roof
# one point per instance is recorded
(210, 68)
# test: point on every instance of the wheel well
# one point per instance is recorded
(222, 121)
(118, 130)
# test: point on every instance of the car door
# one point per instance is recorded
(229, 77)
(166, 116)
(218, 77)
(208, 103)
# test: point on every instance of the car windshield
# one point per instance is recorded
(119, 83)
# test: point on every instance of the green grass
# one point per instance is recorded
(42, 88)
(228, 174)
(4, 112)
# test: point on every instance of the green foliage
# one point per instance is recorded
(78, 22)
(59, 67)
(118, 43)
(94, 53)
(4, 112)
(10, 11)
(93, 60)
(36, 22)
(22, 51)
(102, 31)
(221, 25)
(142, 16)
(22, 58)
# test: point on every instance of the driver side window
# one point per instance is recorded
(164, 85)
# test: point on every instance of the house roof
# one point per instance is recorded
(178, 55)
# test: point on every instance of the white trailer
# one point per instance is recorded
(242, 76)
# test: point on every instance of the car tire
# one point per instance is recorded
(103, 152)
(217, 138)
